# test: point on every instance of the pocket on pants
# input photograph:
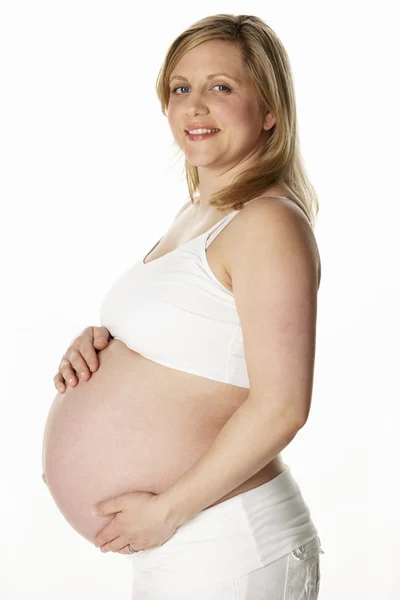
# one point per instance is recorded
(303, 571)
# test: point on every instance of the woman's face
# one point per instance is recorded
(227, 102)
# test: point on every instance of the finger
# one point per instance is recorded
(124, 550)
(91, 340)
(78, 362)
(109, 507)
(101, 337)
(106, 536)
(84, 343)
(115, 545)
(59, 382)
(67, 372)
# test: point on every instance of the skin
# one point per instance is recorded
(244, 128)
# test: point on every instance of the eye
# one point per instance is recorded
(222, 85)
(180, 87)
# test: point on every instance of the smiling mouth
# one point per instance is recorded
(200, 136)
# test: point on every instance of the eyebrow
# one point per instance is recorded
(211, 76)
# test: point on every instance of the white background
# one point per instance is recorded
(89, 182)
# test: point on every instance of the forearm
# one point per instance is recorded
(249, 440)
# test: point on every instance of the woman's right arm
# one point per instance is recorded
(80, 359)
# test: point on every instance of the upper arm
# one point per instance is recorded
(274, 266)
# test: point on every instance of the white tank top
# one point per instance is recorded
(175, 312)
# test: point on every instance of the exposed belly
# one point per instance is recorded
(134, 426)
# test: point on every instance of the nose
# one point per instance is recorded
(195, 106)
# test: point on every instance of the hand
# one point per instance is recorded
(44, 478)
(81, 357)
(141, 520)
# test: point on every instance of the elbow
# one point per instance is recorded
(292, 421)
(289, 416)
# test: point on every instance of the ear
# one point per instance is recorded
(269, 121)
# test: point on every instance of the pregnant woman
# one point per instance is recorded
(205, 373)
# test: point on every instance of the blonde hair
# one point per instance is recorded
(269, 68)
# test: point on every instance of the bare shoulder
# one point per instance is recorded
(267, 221)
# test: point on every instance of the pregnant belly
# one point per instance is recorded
(134, 426)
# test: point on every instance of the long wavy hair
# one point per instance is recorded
(269, 68)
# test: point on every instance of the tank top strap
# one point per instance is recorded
(218, 227)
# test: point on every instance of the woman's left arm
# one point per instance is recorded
(274, 267)
(249, 440)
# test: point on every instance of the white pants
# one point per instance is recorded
(258, 545)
